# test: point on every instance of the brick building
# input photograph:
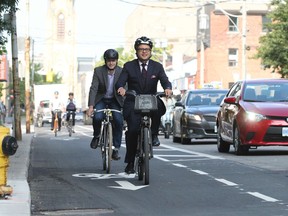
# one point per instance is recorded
(229, 48)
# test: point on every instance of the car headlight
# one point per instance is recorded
(193, 117)
(251, 116)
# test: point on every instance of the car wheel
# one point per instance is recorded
(221, 144)
(175, 139)
(184, 140)
(239, 148)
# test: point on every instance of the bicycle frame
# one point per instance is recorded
(56, 121)
(70, 122)
(144, 104)
(106, 138)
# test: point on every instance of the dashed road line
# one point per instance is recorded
(263, 197)
(224, 181)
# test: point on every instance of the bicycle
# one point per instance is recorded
(69, 124)
(56, 121)
(106, 138)
(144, 104)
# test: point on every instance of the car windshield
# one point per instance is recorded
(200, 98)
(265, 92)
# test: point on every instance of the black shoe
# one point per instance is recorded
(130, 168)
(52, 129)
(115, 155)
(155, 140)
(94, 142)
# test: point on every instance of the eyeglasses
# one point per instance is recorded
(144, 50)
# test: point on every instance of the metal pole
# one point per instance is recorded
(27, 73)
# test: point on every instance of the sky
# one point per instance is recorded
(100, 24)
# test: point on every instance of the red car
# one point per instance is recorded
(253, 113)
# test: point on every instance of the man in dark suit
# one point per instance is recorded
(141, 75)
(103, 93)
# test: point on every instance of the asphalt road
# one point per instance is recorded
(66, 178)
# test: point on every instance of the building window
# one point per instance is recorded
(233, 57)
(233, 24)
(60, 27)
(265, 21)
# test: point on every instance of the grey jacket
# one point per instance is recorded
(99, 85)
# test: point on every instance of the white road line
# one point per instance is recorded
(192, 152)
(179, 165)
(263, 197)
(86, 128)
(200, 172)
(224, 181)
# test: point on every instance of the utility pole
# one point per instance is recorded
(15, 74)
(27, 73)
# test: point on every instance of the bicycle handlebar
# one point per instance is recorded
(105, 111)
(133, 93)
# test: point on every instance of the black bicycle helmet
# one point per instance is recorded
(143, 40)
(111, 54)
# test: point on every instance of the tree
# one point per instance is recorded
(157, 55)
(5, 7)
(273, 49)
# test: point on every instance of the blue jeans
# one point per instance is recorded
(117, 120)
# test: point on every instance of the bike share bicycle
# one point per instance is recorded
(144, 104)
(56, 125)
(106, 137)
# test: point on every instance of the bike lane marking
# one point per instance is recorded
(192, 155)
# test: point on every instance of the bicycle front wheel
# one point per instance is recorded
(146, 155)
(70, 128)
(56, 127)
(109, 144)
(103, 144)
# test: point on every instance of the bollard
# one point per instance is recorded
(8, 147)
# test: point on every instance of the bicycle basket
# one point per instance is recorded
(145, 103)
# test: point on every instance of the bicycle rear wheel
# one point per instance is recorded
(146, 156)
(109, 144)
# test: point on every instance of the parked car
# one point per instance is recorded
(79, 116)
(195, 115)
(254, 113)
(43, 114)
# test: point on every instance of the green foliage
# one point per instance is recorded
(157, 55)
(273, 49)
(6, 6)
(40, 79)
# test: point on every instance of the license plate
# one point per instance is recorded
(285, 131)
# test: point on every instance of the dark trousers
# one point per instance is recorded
(117, 120)
(72, 113)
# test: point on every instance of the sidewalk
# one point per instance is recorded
(18, 204)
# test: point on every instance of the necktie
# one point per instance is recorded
(144, 71)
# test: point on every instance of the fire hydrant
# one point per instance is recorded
(7, 148)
